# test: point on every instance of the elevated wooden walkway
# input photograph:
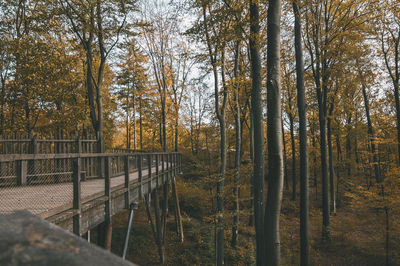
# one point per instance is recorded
(66, 196)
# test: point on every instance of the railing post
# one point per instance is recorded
(107, 209)
(127, 185)
(77, 196)
(140, 175)
(22, 170)
(149, 159)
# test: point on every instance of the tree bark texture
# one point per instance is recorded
(304, 170)
(274, 133)
(256, 106)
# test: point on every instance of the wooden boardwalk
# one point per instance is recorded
(42, 199)
(66, 197)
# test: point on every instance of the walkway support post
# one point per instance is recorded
(178, 217)
(133, 206)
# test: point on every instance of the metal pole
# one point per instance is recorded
(132, 207)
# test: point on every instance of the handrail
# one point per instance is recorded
(15, 157)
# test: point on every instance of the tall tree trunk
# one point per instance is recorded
(238, 130)
(291, 120)
(274, 130)
(339, 160)
(284, 159)
(220, 184)
(2, 102)
(220, 112)
(134, 120)
(304, 176)
(348, 146)
(128, 137)
(176, 133)
(256, 106)
(371, 135)
(164, 123)
(325, 177)
(140, 124)
(332, 194)
(395, 76)
(251, 155)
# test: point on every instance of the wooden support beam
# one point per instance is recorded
(165, 210)
(159, 231)
(76, 179)
(178, 217)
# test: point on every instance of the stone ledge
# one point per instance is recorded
(26, 239)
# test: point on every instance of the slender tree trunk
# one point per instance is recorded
(2, 102)
(176, 133)
(238, 130)
(220, 112)
(140, 124)
(339, 160)
(128, 137)
(348, 146)
(134, 120)
(387, 238)
(304, 176)
(284, 159)
(331, 169)
(251, 154)
(164, 123)
(220, 184)
(291, 120)
(256, 106)
(371, 135)
(325, 177)
(274, 130)
(395, 76)
(160, 126)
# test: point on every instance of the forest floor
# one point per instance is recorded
(357, 235)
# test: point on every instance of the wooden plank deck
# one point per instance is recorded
(41, 199)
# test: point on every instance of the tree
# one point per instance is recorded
(216, 53)
(328, 27)
(257, 114)
(97, 26)
(132, 79)
(301, 105)
(390, 47)
(274, 133)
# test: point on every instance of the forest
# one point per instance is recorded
(286, 113)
